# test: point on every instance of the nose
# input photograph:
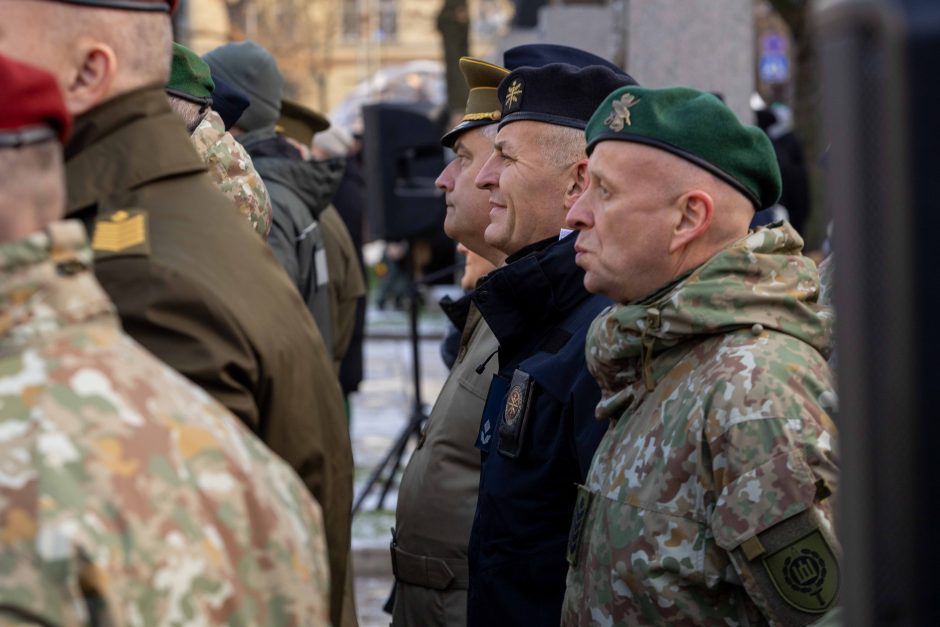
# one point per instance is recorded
(445, 180)
(580, 216)
(488, 176)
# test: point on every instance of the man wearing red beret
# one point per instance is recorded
(191, 282)
(114, 467)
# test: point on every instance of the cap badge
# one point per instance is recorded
(513, 405)
(513, 94)
(621, 112)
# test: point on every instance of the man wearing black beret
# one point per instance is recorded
(190, 279)
(537, 432)
(710, 498)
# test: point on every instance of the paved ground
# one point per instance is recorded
(380, 411)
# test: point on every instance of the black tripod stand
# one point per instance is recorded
(392, 458)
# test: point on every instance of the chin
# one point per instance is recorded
(494, 237)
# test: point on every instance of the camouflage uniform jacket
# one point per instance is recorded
(718, 392)
(127, 495)
(233, 172)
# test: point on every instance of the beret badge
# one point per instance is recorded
(513, 96)
(620, 115)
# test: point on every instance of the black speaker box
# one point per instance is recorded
(880, 80)
(402, 158)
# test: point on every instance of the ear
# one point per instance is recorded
(696, 211)
(577, 183)
(93, 77)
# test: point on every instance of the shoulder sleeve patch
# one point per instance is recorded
(805, 573)
(121, 233)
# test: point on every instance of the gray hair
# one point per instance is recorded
(191, 113)
(561, 145)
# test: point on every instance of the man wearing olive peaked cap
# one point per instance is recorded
(437, 496)
(710, 498)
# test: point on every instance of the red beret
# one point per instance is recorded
(167, 6)
(31, 105)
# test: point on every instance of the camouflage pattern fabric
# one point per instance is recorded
(233, 172)
(826, 275)
(127, 495)
(827, 295)
(718, 392)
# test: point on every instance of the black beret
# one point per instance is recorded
(165, 6)
(557, 93)
(537, 55)
(228, 101)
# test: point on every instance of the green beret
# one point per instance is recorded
(697, 127)
(190, 78)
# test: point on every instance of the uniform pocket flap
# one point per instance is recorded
(762, 497)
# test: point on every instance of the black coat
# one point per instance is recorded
(534, 452)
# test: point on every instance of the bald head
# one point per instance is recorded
(675, 179)
(648, 217)
(32, 189)
(96, 54)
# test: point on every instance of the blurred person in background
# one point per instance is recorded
(350, 202)
(298, 193)
(190, 92)
(347, 282)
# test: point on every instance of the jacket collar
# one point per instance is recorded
(537, 287)
(46, 285)
(125, 143)
(760, 283)
(315, 182)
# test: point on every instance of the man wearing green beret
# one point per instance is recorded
(189, 91)
(709, 499)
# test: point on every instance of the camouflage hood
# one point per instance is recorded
(761, 282)
(46, 283)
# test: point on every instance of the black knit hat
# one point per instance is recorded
(228, 101)
(557, 93)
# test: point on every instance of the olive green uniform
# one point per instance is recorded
(438, 493)
(199, 289)
(346, 283)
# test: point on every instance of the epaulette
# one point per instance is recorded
(121, 233)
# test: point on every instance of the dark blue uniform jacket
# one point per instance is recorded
(539, 446)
